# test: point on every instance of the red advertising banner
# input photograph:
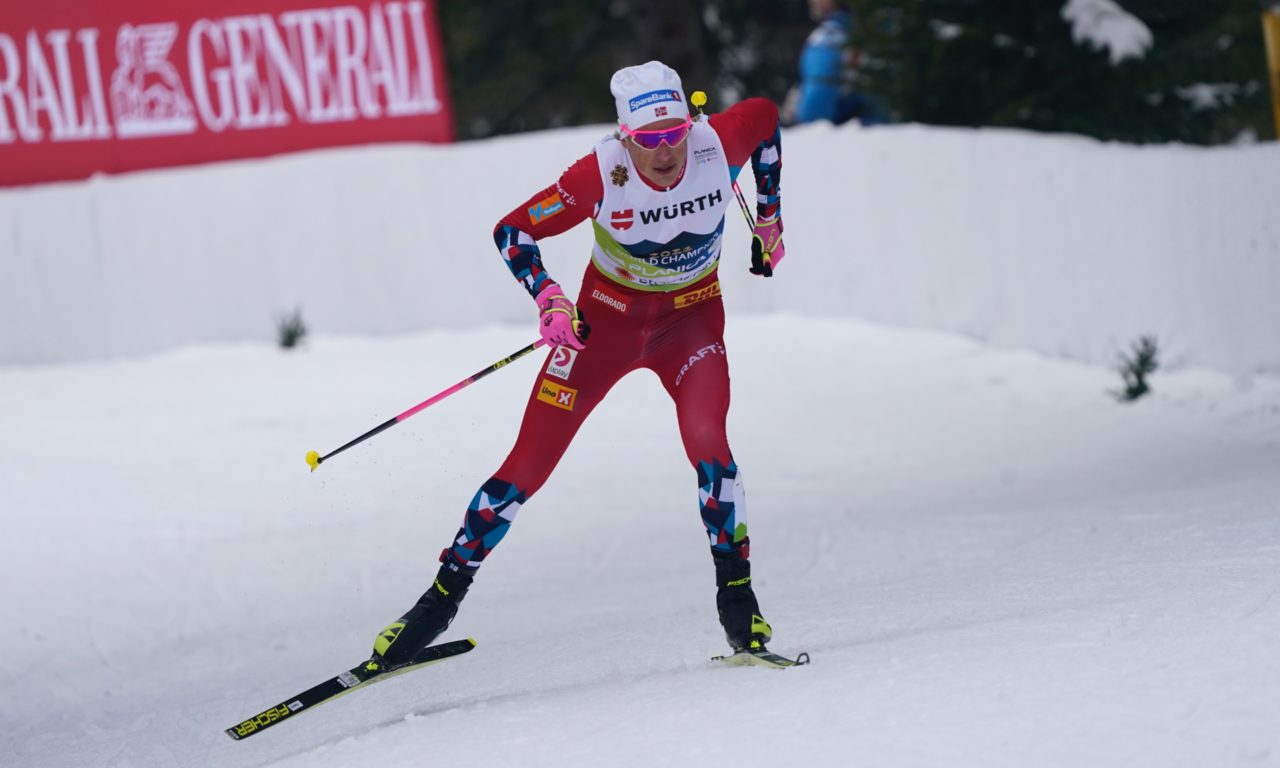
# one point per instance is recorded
(91, 86)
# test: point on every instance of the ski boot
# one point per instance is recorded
(744, 627)
(402, 639)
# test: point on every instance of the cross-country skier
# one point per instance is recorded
(656, 192)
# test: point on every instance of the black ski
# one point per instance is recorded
(358, 677)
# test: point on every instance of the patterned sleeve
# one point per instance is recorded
(556, 209)
(766, 161)
(750, 130)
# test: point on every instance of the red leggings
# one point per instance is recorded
(678, 335)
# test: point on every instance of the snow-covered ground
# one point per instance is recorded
(990, 561)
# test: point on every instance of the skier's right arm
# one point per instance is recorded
(557, 208)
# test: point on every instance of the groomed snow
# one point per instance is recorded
(990, 561)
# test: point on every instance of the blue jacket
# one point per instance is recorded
(822, 69)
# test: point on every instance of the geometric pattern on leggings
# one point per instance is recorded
(723, 504)
(490, 514)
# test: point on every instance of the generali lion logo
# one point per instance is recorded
(147, 95)
(282, 69)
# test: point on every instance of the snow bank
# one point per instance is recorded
(1060, 244)
(1064, 245)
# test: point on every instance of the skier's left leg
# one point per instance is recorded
(694, 368)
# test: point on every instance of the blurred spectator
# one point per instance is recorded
(827, 66)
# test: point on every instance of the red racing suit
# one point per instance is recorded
(652, 298)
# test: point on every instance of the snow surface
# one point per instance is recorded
(1104, 24)
(990, 561)
(1064, 245)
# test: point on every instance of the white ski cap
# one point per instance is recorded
(646, 93)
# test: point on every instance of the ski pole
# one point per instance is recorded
(742, 201)
(314, 459)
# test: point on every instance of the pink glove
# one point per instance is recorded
(767, 249)
(560, 321)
